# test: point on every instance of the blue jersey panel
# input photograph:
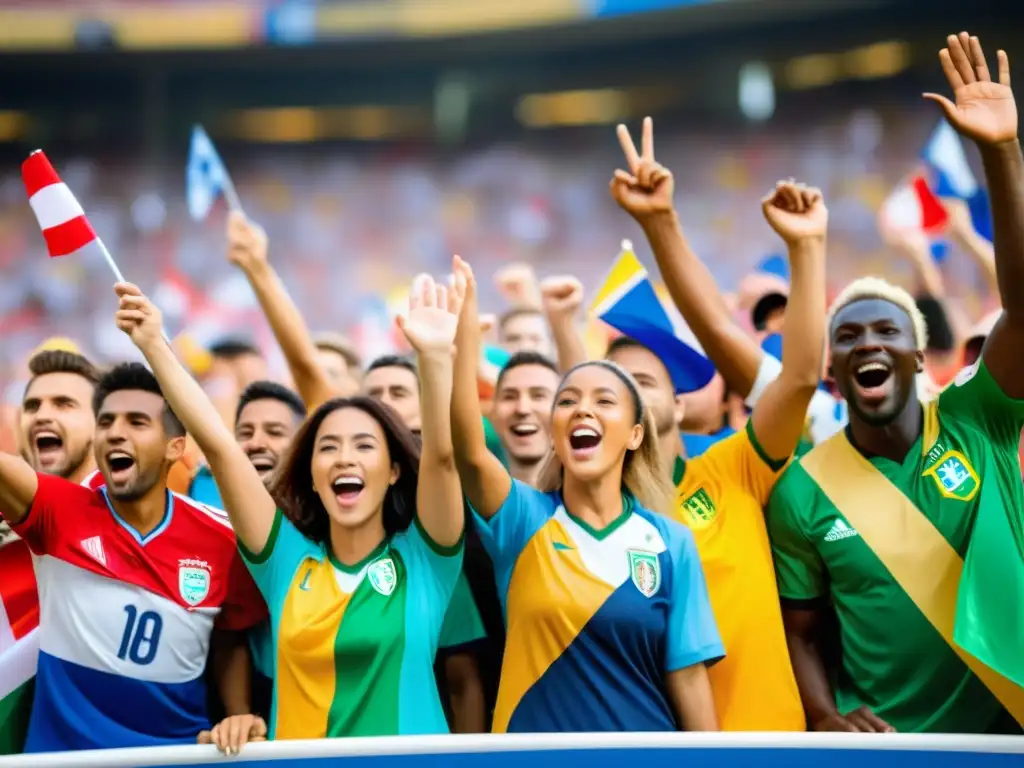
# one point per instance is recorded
(80, 708)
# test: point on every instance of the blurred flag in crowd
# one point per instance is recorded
(952, 176)
(913, 206)
(206, 178)
(628, 302)
(65, 228)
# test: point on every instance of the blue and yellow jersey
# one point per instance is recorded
(596, 619)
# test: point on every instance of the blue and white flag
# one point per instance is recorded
(206, 177)
(951, 177)
(629, 303)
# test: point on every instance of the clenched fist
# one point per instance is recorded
(796, 212)
(562, 296)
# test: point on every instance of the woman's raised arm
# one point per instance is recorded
(246, 499)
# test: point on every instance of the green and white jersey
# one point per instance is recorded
(894, 661)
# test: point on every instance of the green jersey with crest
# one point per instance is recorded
(893, 660)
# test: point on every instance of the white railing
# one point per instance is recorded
(604, 750)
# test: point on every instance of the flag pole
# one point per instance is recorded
(120, 278)
(231, 195)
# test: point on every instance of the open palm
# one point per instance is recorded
(433, 314)
(984, 110)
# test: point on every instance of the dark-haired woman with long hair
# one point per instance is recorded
(609, 622)
(357, 546)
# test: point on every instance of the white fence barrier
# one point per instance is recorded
(627, 750)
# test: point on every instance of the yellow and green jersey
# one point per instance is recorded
(962, 470)
(355, 645)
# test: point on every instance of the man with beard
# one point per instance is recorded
(57, 422)
(523, 397)
(910, 519)
(57, 425)
(133, 582)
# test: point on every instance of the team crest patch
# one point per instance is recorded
(193, 580)
(382, 576)
(954, 476)
(698, 510)
(645, 570)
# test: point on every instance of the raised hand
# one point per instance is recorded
(646, 189)
(247, 242)
(434, 311)
(518, 284)
(984, 110)
(796, 212)
(562, 296)
(138, 317)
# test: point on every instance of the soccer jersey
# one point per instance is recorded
(462, 624)
(720, 496)
(19, 635)
(355, 644)
(125, 619)
(596, 619)
(893, 660)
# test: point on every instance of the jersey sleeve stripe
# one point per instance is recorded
(774, 464)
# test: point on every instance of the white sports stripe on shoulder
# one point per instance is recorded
(212, 512)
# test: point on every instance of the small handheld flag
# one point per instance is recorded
(66, 230)
(628, 302)
(65, 227)
(206, 177)
(62, 220)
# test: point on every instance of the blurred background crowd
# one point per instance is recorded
(374, 138)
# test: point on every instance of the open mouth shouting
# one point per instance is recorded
(49, 447)
(583, 441)
(122, 467)
(347, 489)
(264, 462)
(524, 430)
(873, 381)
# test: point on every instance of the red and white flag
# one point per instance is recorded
(65, 227)
(913, 206)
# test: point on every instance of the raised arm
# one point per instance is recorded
(563, 297)
(986, 112)
(18, 486)
(800, 218)
(247, 249)
(430, 330)
(246, 500)
(485, 481)
(963, 233)
(645, 192)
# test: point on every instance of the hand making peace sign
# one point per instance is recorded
(646, 189)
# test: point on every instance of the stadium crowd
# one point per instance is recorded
(820, 529)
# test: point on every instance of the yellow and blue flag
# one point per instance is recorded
(629, 303)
